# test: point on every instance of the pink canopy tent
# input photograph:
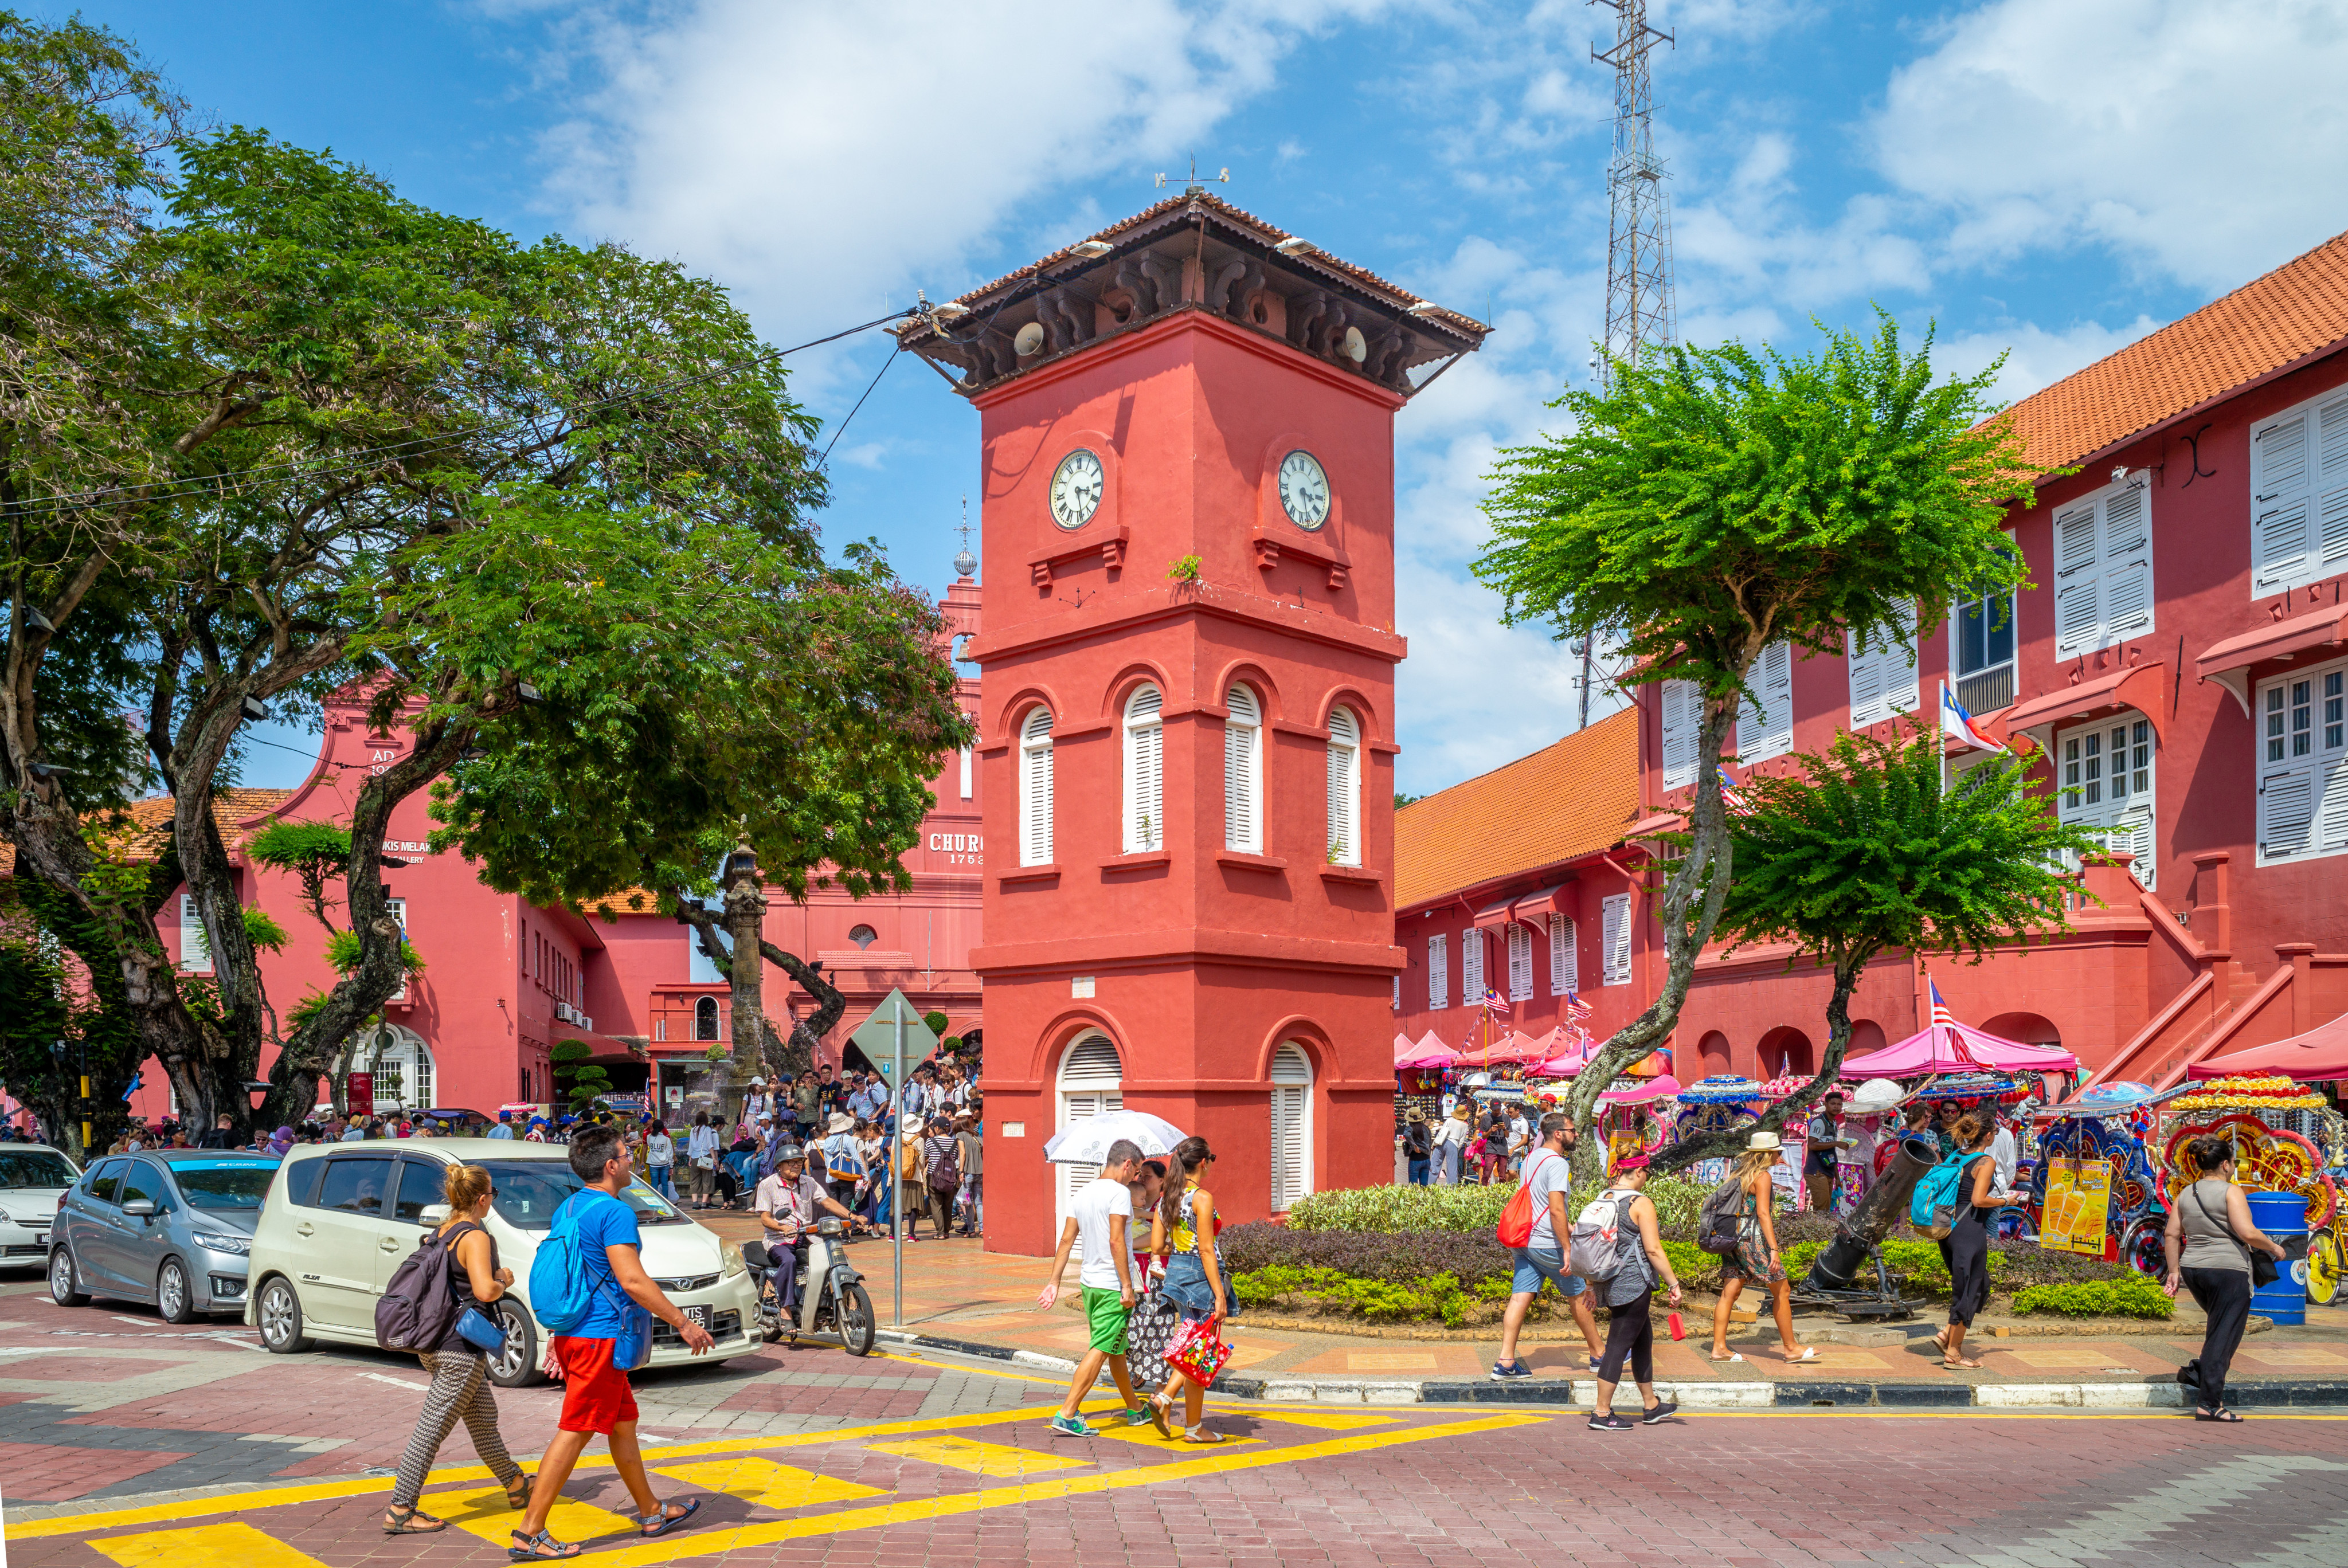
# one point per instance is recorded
(1957, 1048)
(1428, 1052)
(1664, 1088)
(2316, 1057)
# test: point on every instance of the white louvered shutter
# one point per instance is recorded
(1145, 772)
(2331, 484)
(2303, 766)
(2078, 612)
(1765, 727)
(1292, 1116)
(1396, 1003)
(1564, 957)
(2128, 566)
(195, 946)
(1243, 778)
(1471, 966)
(1438, 972)
(1092, 1082)
(1036, 789)
(397, 909)
(2280, 509)
(1520, 961)
(1683, 716)
(1883, 678)
(1618, 940)
(1344, 789)
(2287, 813)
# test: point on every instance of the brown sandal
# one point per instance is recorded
(517, 1491)
(402, 1520)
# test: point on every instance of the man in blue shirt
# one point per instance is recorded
(596, 1398)
(504, 1129)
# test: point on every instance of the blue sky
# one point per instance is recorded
(2051, 179)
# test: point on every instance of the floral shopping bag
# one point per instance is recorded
(1198, 1353)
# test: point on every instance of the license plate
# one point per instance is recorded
(697, 1316)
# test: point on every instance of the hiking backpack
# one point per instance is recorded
(417, 1308)
(1596, 1252)
(1935, 1206)
(1717, 1220)
(559, 1297)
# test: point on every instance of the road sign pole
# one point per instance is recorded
(896, 1174)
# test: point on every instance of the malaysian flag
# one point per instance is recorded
(1732, 799)
(1940, 1013)
(1494, 1004)
(1576, 1009)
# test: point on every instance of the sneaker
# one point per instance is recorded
(1609, 1423)
(1664, 1411)
(1509, 1371)
(1138, 1418)
(1073, 1427)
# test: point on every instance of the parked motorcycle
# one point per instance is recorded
(832, 1303)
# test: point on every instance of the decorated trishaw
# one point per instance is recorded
(2115, 1126)
(2286, 1139)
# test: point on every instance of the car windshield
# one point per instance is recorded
(35, 1168)
(529, 1191)
(224, 1184)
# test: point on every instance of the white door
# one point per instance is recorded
(1092, 1080)
(1291, 1127)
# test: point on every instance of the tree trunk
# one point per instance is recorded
(746, 919)
(1716, 1145)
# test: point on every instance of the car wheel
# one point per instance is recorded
(172, 1297)
(65, 1282)
(281, 1319)
(516, 1365)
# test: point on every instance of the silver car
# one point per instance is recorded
(174, 1227)
(33, 1179)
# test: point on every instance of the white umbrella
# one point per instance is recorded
(1087, 1142)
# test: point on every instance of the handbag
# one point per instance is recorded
(2263, 1271)
(482, 1332)
(1198, 1353)
(1149, 1333)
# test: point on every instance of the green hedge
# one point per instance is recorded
(2132, 1296)
(1465, 1209)
(1437, 1297)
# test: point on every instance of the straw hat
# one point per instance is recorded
(1762, 1140)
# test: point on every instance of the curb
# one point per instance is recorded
(2281, 1393)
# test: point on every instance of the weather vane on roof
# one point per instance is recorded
(1198, 187)
(964, 562)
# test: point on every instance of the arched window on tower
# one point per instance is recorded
(1244, 773)
(1036, 789)
(704, 1019)
(1345, 788)
(1291, 1126)
(1145, 779)
(863, 936)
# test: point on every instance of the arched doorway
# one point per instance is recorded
(2024, 1028)
(1711, 1053)
(1866, 1035)
(1784, 1050)
(1291, 1126)
(401, 1065)
(1092, 1081)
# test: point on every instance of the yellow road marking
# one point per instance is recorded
(1147, 1436)
(763, 1482)
(491, 1516)
(979, 1459)
(1328, 1423)
(715, 1542)
(206, 1546)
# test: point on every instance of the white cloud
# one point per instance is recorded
(2202, 137)
(2036, 357)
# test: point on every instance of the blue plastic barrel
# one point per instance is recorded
(2282, 1215)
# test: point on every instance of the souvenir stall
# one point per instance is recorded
(1419, 1070)
(2274, 1125)
(2094, 1188)
(1634, 1116)
(1720, 1104)
(2318, 1057)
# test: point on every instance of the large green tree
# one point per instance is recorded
(1864, 849)
(1715, 501)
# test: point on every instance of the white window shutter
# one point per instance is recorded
(397, 909)
(2128, 566)
(1683, 716)
(1243, 782)
(1520, 961)
(1765, 727)
(1471, 966)
(2331, 486)
(1292, 1144)
(1867, 673)
(1144, 754)
(1617, 932)
(2279, 504)
(1564, 957)
(2287, 812)
(1438, 972)
(2331, 831)
(1036, 789)
(2078, 612)
(195, 946)
(1344, 844)
(1396, 1004)
(1884, 678)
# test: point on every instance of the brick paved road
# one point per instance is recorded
(123, 1442)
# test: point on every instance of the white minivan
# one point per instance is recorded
(341, 1217)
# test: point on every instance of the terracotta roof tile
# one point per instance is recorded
(150, 819)
(2299, 309)
(1561, 802)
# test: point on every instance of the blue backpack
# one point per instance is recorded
(560, 1294)
(1933, 1209)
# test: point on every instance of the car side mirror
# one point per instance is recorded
(434, 1213)
(141, 1208)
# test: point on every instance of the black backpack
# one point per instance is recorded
(945, 1167)
(418, 1307)
(1717, 1221)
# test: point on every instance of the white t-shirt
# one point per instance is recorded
(1545, 1173)
(1099, 1199)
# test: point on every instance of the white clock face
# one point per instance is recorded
(1303, 490)
(1077, 489)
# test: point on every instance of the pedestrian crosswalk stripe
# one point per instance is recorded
(205, 1546)
(490, 1515)
(766, 1484)
(998, 1459)
(1149, 1438)
(1331, 1421)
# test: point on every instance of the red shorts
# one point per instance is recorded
(595, 1394)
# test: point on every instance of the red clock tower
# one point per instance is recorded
(1187, 698)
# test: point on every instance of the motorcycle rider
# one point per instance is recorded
(787, 1205)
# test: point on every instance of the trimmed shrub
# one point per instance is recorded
(1405, 1208)
(2133, 1296)
(1399, 1259)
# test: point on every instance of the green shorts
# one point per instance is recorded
(1106, 1311)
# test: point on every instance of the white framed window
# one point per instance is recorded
(398, 910)
(1617, 933)
(1036, 789)
(2302, 739)
(2299, 494)
(1345, 788)
(1091, 1084)
(1397, 993)
(1883, 676)
(1244, 773)
(1764, 725)
(1438, 972)
(966, 780)
(1520, 961)
(1471, 966)
(1564, 957)
(2106, 776)
(1145, 772)
(1683, 717)
(1981, 651)
(2103, 569)
(1291, 1127)
(195, 946)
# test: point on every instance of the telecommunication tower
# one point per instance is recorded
(1638, 234)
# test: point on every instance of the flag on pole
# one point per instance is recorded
(1956, 721)
(1732, 799)
(1940, 1013)
(1494, 1004)
(1576, 1009)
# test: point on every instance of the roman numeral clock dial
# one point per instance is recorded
(1076, 488)
(1303, 490)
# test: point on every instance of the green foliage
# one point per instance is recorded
(579, 1079)
(2131, 1296)
(262, 932)
(1437, 1297)
(937, 1022)
(1185, 569)
(344, 951)
(313, 853)
(1401, 1208)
